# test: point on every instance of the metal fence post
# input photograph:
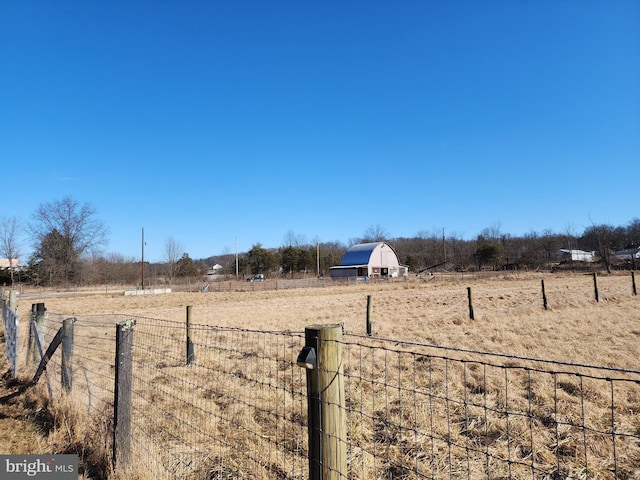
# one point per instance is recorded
(122, 393)
(595, 286)
(322, 357)
(369, 307)
(471, 314)
(67, 353)
(190, 354)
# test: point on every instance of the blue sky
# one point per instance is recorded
(207, 121)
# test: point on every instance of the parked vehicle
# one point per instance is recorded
(256, 278)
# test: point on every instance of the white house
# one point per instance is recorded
(377, 259)
(628, 254)
(5, 264)
(575, 256)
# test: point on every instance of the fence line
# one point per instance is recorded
(11, 323)
(442, 413)
(412, 410)
(239, 408)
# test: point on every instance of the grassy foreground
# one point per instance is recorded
(509, 320)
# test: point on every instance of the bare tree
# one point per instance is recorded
(375, 233)
(9, 242)
(64, 231)
(291, 239)
(602, 239)
(492, 233)
(633, 233)
(173, 251)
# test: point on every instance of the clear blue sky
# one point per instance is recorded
(208, 121)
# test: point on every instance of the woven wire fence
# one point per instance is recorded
(417, 411)
(237, 410)
(413, 411)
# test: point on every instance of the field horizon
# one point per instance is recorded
(508, 311)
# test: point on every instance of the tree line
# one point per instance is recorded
(67, 239)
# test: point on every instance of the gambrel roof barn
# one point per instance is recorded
(376, 259)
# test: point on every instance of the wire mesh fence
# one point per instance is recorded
(417, 411)
(236, 410)
(238, 407)
(11, 323)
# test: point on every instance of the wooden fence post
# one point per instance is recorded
(544, 296)
(37, 318)
(190, 354)
(13, 300)
(471, 314)
(633, 283)
(122, 393)
(40, 311)
(326, 402)
(369, 307)
(67, 353)
(595, 286)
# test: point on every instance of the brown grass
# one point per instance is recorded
(509, 320)
(508, 310)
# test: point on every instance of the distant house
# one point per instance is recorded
(376, 259)
(14, 264)
(565, 255)
(628, 254)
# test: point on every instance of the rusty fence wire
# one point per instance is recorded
(238, 408)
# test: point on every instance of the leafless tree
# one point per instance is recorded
(10, 241)
(63, 232)
(375, 233)
(602, 239)
(173, 251)
(291, 239)
(492, 233)
(633, 233)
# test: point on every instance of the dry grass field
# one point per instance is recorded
(509, 316)
(399, 418)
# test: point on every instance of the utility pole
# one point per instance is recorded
(142, 262)
(444, 248)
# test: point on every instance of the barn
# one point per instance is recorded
(565, 255)
(376, 259)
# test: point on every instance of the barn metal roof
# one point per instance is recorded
(359, 254)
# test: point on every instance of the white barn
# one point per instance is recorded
(576, 256)
(377, 259)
